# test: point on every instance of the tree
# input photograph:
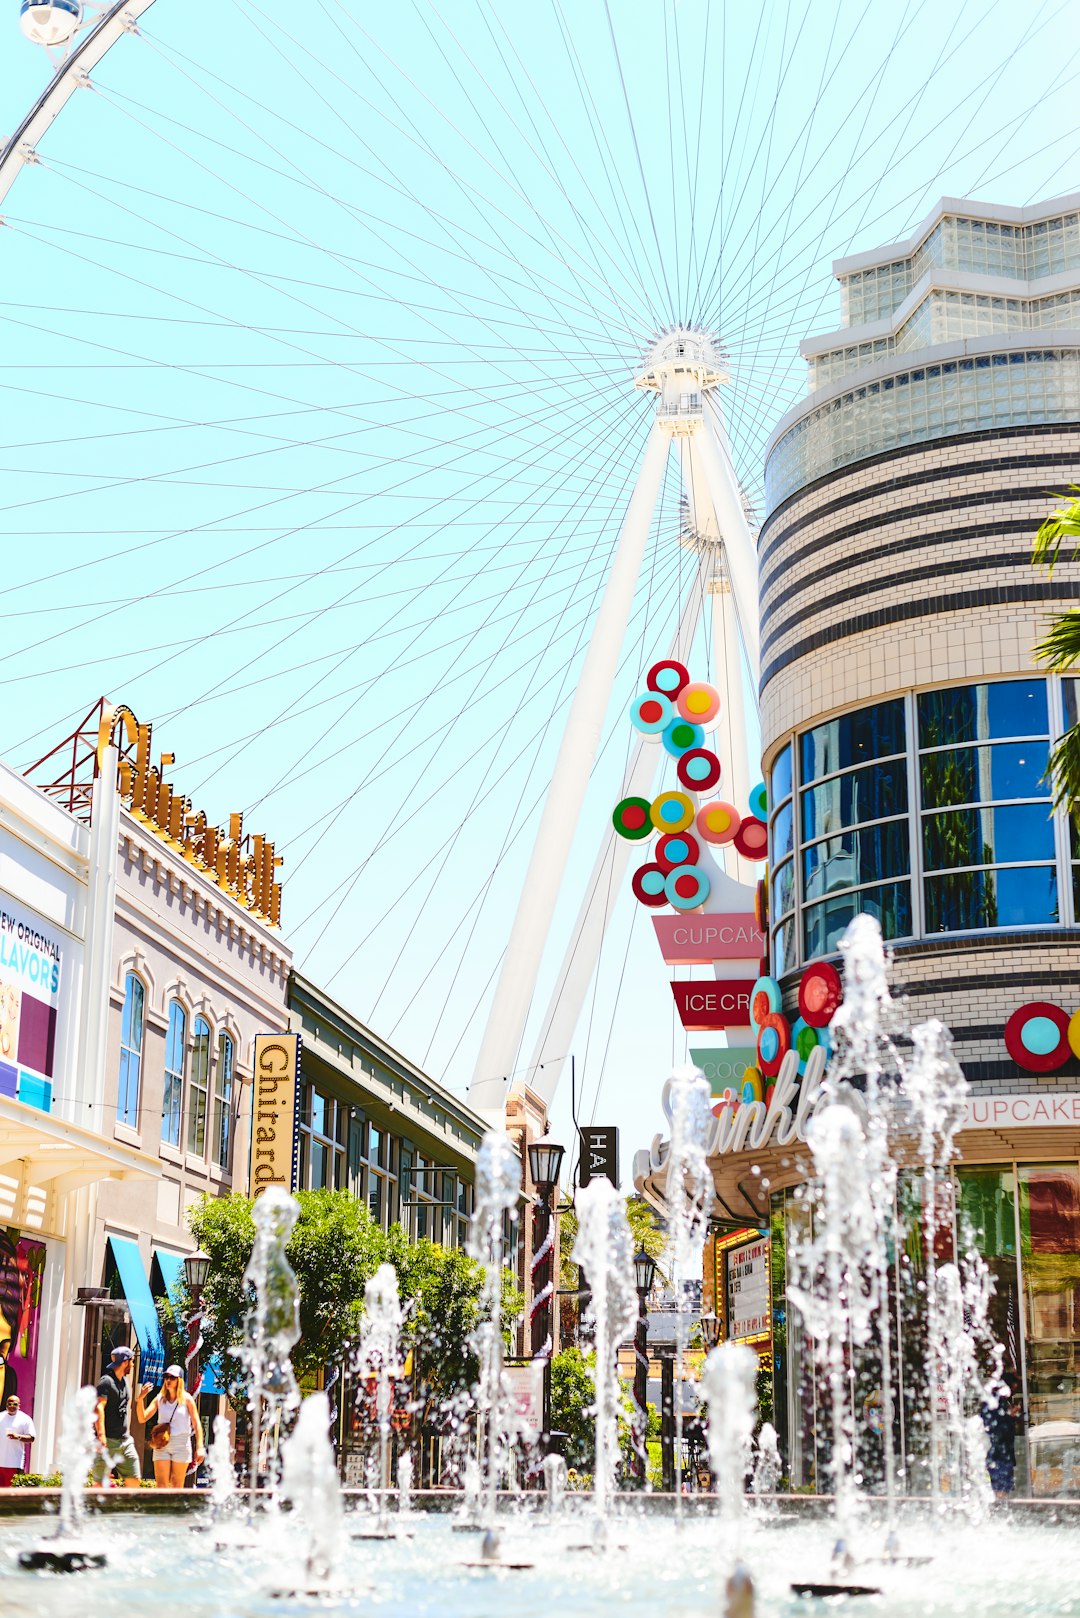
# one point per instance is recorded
(572, 1400)
(1059, 648)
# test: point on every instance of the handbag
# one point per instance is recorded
(161, 1432)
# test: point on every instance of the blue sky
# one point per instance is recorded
(319, 325)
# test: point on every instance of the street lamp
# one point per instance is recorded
(710, 1329)
(644, 1276)
(545, 1162)
(196, 1273)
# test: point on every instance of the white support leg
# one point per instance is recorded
(605, 884)
(712, 454)
(521, 963)
(731, 740)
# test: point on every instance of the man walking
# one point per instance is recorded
(116, 1447)
(17, 1433)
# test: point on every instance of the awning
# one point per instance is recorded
(43, 1159)
(140, 1300)
(171, 1266)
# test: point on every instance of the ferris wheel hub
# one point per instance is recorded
(683, 364)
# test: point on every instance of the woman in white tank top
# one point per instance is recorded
(175, 1408)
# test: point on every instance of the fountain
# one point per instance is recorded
(309, 1481)
(768, 1467)
(727, 1383)
(498, 1182)
(378, 1359)
(554, 1470)
(689, 1197)
(271, 1327)
(66, 1551)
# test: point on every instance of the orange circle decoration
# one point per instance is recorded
(752, 839)
(699, 702)
(672, 811)
(669, 677)
(820, 994)
(765, 998)
(718, 821)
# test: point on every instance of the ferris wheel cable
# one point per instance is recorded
(479, 200)
(670, 305)
(697, 149)
(691, 247)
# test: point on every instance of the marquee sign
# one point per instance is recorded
(749, 1306)
(275, 1122)
(247, 876)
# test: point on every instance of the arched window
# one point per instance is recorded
(131, 1041)
(172, 1097)
(198, 1087)
(223, 1089)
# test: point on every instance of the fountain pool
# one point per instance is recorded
(1017, 1566)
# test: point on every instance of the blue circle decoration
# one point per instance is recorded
(651, 713)
(699, 770)
(1039, 1036)
(681, 736)
(768, 1044)
(759, 802)
(686, 887)
(805, 1039)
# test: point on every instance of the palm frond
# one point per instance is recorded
(1062, 524)
(1060, 646)
(1063, 772)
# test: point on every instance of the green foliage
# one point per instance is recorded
(1062, 524)
(36, 1480)
(644, 1227)
(1059, 649)
(571, 1403)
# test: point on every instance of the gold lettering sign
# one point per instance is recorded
(274, 1111)
(247, 873)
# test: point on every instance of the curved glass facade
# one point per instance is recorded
(921, 403)
(928, 811)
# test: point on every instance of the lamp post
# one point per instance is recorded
(644, 1276)
(710, 1330)
(545, 1162)
(196, 1273)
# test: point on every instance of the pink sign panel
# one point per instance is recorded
(696, 940)
(722, 1004)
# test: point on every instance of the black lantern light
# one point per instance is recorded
(644, 1271)
(197, 1271)
(710, 1329)
(545, 1163)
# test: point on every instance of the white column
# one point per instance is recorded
(714, 457)
(731, 740)
(605, 885)
(581, 738)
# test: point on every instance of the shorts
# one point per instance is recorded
(177, 1449)
(118, 1458)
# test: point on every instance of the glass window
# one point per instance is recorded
(824, 923)
(979, 713)
(325, 1143)
(780, 779)
(223, 1089)
(376, 1147)
(874, 793)
(131, 1042)
(855, 857)
(198, 1088)
(782, 888)
(1019, 896)
(983, 774)
(987, 836)
(781, 835)
(1049, 1196)
(783, 948)
(853, 738)
(172, 1098)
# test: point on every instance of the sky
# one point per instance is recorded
(319, 329)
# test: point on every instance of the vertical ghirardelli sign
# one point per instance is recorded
(275, 1113)
(599, 1154)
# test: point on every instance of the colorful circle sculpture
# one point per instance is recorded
(668, 677)
(651, 713)
(699, 770)
(761, 902)
(718, 821)
(699, 702)
(805, 1038)
(820, 994)
(672, 811)
(753, 1085)
(752, 839)
(765, 998)
(648, 885)
(1037, 1036)
(759, 804)
(687, 887)
(677, 848)
(773, 1043)
(680, 736)
(632, 819)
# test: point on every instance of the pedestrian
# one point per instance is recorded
(177, 1424)
(17, 1433)
(116, 1455)
(999, 1418)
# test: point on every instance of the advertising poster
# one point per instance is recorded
(31, 985)
(22, 1270)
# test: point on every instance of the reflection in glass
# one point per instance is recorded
(1050, 1251)
(856, 856)
(782, 888)
(783, 947)
(824, 923)
(982, 774)
(780, 779)
(975, 713)
(871, 794)
(987, 836)
(782, 828)
(853, 738)
(1018, 897)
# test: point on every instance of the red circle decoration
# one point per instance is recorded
(687, 887)
(761, 902)
(773, 1022)
(718, 822)
(752, 839)
(765, 998)
(1037, 1061)
(820, 994)
(632, 819)
(648, 885)
(651, 713)
(677, 848)
(699, 759)
(668, 677)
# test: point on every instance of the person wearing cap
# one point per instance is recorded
(176, 1411)
(116, 1455)
(17, 1433)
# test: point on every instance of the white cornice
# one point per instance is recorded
(959, 208)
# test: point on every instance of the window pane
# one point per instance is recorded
(973, 713)
(1015, 898)
(376, 1146)
(987, 836)
(780, 779)
(857, 856)
(1050, 1245)
(319, 1162)
(783, 947)
(782, 888)
(1070, 693)
(824, 923)
(318, 1112)
(871, 794)
(375, 1198)
(223, 1080)
(781, 834)
(200, 1074)
(982, 774)
(854, 737)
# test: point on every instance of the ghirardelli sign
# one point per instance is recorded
(275, 1119)
(599, 1154)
